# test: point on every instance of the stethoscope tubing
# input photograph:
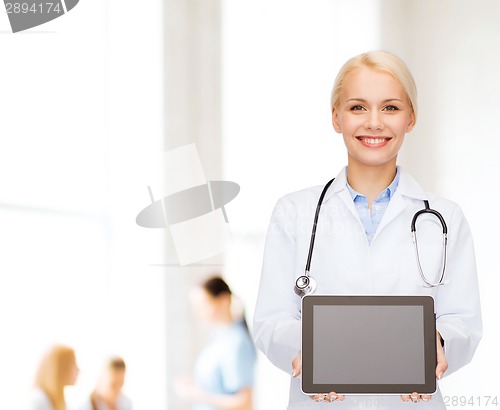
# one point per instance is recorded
(315, 223)
(306, 284)
(413, 228)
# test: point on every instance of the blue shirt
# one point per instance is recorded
(226, 364)
(371, 220)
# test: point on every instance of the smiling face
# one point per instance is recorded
(373, 114)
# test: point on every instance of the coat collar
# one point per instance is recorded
(407, 186)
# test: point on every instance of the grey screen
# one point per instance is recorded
(368, 345)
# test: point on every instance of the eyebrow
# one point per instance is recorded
(385, 101)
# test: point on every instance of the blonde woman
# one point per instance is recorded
(363, 244)
(57, 369)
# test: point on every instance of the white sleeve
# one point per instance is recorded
(458, 309)
(277, 326)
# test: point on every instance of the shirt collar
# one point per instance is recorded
(407, 186)
(387, 192)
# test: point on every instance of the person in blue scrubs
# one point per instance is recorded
(224, 370)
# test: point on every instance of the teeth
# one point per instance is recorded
(374, 140)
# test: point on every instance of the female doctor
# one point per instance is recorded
(363, 242)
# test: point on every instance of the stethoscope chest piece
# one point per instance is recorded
(304, 285)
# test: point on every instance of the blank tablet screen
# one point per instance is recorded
(382, 337)
(368, 344)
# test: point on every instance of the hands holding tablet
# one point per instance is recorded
(441, 367)
(297, 369)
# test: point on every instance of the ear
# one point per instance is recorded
(335, 120)
(411, 123)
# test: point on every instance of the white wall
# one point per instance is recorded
(192, 115)
(451, 48)
(81, 118)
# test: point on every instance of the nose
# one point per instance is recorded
(374, 121)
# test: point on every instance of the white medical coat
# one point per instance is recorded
(344, 263)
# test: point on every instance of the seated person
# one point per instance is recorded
(108, 394)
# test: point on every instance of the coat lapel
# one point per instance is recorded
(339, 187)
(396, 206)
(407, 188)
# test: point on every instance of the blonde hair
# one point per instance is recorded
(52, 374)
(382, 61)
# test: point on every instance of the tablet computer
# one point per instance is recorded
(368, 344)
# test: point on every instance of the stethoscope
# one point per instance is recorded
(305, 284)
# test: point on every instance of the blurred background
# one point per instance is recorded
(91, 101)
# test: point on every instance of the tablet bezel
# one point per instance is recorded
(430, 355)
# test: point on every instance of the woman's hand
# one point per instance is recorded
(441, 367)
(297, 369)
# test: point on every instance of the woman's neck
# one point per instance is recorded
(225, 318)
(370, 180)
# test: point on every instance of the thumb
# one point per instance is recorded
(441, 367)
(297, 365)
(442, 363)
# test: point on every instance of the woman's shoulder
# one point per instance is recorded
(434, 198)
(238, 336)
(411, 188)
(311, 194)
(37, 400)
(301, 197)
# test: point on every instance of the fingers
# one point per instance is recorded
(297, 365)
(415, 397)
(442, 363)
(440, 369)
(329, 398)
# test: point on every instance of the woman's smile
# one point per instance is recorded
(373, 142)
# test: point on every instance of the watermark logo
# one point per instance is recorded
(25, 14)
(189, 206)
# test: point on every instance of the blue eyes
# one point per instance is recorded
(386, 108)
(391, 108)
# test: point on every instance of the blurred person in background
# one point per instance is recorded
(224, 370)
(108, 394)
(57, 369)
